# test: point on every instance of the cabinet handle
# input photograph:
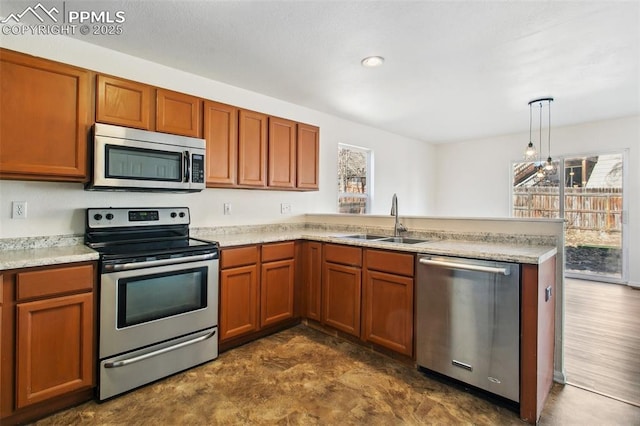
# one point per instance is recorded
(129, 361)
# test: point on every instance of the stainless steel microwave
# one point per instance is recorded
(126, 159)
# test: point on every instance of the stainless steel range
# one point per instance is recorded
(158, 295)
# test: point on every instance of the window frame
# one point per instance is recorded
(368, 194)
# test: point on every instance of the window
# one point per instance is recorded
(354, 179)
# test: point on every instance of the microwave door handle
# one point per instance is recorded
(187, 166)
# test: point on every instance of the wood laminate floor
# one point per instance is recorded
(302, 376)
(602, 338)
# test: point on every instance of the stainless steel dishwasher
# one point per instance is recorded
(468, 322)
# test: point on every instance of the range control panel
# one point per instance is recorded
(152, 216)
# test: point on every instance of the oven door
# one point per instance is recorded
(151, 302)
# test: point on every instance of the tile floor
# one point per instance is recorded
(302, 376)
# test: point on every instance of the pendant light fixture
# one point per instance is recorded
(530, 153)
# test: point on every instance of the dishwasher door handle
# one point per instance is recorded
(466, 266)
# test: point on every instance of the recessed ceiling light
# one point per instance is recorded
(372, 61)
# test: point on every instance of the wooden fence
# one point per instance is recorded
(585, 208)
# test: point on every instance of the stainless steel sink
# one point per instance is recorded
(364, 237)
(383, 239)
(402, 240)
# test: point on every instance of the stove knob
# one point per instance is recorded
(181, 214)
(97, 216)
(173, 214)
(109, 216)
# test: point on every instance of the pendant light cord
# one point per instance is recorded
(549, 123)
(540, 129)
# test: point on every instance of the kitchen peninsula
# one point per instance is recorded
(308, 237)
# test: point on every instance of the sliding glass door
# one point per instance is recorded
(587, 191)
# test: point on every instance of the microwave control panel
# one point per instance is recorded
(197, 168)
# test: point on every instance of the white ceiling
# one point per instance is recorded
(453, 70)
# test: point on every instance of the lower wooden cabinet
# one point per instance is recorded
(277, 283)
(388, 300)
(366, 293)
(48, 346)
(257, 288)
(54, 347)
(311, 279)
(341, 288)
(239, 290)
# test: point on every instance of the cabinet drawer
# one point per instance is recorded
(232, 257)
(278, 251)
(51, 282)
(345, 255)
(388, 261)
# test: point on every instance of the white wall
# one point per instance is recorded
(473, 177)
(402, 165)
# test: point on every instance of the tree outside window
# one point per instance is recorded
(354, 176)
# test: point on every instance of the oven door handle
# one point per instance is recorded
(128, 361)
(160, 262)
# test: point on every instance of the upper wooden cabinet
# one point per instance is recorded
(45, 114)
(221, 134)
(308, 163)
(132, 104)
(124, 102)
(282, 153)
(252, 149)
(178, 113)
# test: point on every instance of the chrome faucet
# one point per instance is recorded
(397, 227)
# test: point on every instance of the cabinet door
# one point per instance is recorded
(282, 153)
(123, 102)
(312, 275)
(221, 133)
(252, 149)
(341, 297)
(308, 162)
(238, 301)
(388, 311)
(54, 347)
(44, 119)
(178, 113)
(276, 291)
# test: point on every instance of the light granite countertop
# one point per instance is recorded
(18, 254)
(499, 251)
(29, 257)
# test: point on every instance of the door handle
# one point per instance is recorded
(160, 262)
(466, 266)
(128, 361)
(187, 166)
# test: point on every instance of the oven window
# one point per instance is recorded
(143, 164)
(151, 297)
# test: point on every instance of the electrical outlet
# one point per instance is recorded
(19, 210)
(285, 208)
(227, 208)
